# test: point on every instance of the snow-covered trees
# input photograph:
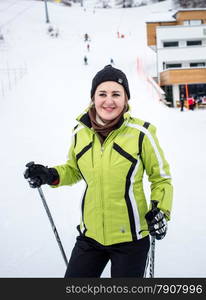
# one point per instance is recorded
(190, 3)
(108, 3)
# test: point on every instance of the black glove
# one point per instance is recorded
(157, 223)
(39, 174)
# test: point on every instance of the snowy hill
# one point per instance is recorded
(44, 85)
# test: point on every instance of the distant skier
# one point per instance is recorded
(85, 60)
(182, 101)
(88, 47)
(191, 102)
(111, 61)
(53, 31)
(1, 37)
(86, 37)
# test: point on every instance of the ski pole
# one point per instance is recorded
(152, 257)
(152, 248)
(52, 224)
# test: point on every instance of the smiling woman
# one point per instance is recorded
(110, 151)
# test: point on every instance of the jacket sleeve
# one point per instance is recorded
(158, 171)
(69, 173)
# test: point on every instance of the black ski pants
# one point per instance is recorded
(89, 258)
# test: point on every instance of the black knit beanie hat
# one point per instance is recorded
(110, 74)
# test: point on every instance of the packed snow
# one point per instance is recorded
(44, 85)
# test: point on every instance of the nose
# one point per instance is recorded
(109, 99)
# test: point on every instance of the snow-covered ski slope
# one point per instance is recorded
(38, 107)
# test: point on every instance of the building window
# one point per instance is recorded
(194, 90)
(186, 22)
(168, 94)
(171, 44)
(197, 64)
(192, 22)
(169, 66)
(194, 43)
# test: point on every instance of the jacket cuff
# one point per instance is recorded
(54, 177)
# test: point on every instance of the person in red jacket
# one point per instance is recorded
(191, 103)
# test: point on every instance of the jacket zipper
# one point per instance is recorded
(101, 195)
(101, 185)
(102, 150)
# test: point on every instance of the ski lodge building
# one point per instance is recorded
(180, 46)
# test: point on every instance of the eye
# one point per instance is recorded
(102, 94)
(116, 95)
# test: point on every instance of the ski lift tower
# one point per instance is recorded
(46, 11)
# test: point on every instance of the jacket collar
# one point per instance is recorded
(85, 119)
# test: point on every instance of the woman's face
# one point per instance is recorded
(109, 100)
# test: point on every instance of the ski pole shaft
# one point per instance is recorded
(52, 224)
(152, 257)
(152, 247)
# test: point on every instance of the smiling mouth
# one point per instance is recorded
(109, 109)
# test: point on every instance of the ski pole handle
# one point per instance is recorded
(152, 247)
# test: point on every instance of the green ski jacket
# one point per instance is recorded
(114, 203)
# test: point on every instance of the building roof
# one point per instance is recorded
(162, 21)
(161, 17)
(188, 9)
(170, 16)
